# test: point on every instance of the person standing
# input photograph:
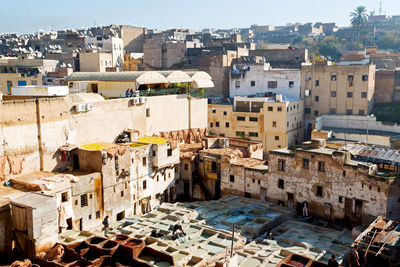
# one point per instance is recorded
(332, 262)
(305, 209)
(106, 225)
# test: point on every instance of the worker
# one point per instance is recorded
(106, 225)
(127, 93)
(332, 262)
(305, 209)
(131, 93)
(178, 227)
(269, 236)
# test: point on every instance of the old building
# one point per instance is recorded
(275, 121)
(335, 185)
(255, 76)
(95, 61)
(283, 58)
(343, 89)
(132, 61)
(112, 45)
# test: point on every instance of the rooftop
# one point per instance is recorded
(152, 140)
(374, 154)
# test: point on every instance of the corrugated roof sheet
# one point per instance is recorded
(374, 154)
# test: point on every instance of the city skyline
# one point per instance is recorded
(178, 14)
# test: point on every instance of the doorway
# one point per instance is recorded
(95, 88)
(121, 215)
(75, 162)
(348, 210)
(263, 194)
(290, 197)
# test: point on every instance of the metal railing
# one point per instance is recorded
(196, 93)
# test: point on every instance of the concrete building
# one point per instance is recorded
(329, 88)
(21, 72)
(282, 58)
(334, 185)
(343, 129)
(276, 122)
(95, 62)
(254, 76)
(132, 61)
(113, 45)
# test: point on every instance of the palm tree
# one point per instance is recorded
(359, 17)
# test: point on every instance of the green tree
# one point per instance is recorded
(391, 40)
(329, 47)
(358, 18)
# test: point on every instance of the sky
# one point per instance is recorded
(27, 16)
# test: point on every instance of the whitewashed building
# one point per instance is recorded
(254, 76)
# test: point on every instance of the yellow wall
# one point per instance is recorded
(289, 123)
(341, 103)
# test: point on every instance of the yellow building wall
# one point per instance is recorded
(14, 78)
(288, 129)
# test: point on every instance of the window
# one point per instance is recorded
(321, 166)
(281, 165)
(365, 78)
(276, 138)
(169, 152)
(144, 184)
(349, 112)
(232, 178)
(239, 133)
(281, 184)
(364, 94)
(279, 108)
(64, 197)
(319, 191)
(217, 124)
(214, 111)
(281, 203)
(147, 112)
(227, 124)
(84, 201)
(307, 110)
(211, 124)
(316, 98)
(316, 112)
(306, 163)
(272, 84)
(333, 77)
(90, 196)
(237, 84)
(90, 216)
(307, 92)
(291, 84)
(240, 118)
(122, 193)
(225, 112)
(270, 109)
(350, 94)
(340, 199)
(98, 214)
(344, 173)
(253, 119)
(333, 93)
(253, 134)
(361, 112)
(253, 83)
(317, 83)
(254, 181)
(350, 79)
(144, 161)
(274, 124)
(332, 111)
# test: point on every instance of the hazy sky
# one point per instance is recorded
(28, 16)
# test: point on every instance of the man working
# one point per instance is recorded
(106, 225)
